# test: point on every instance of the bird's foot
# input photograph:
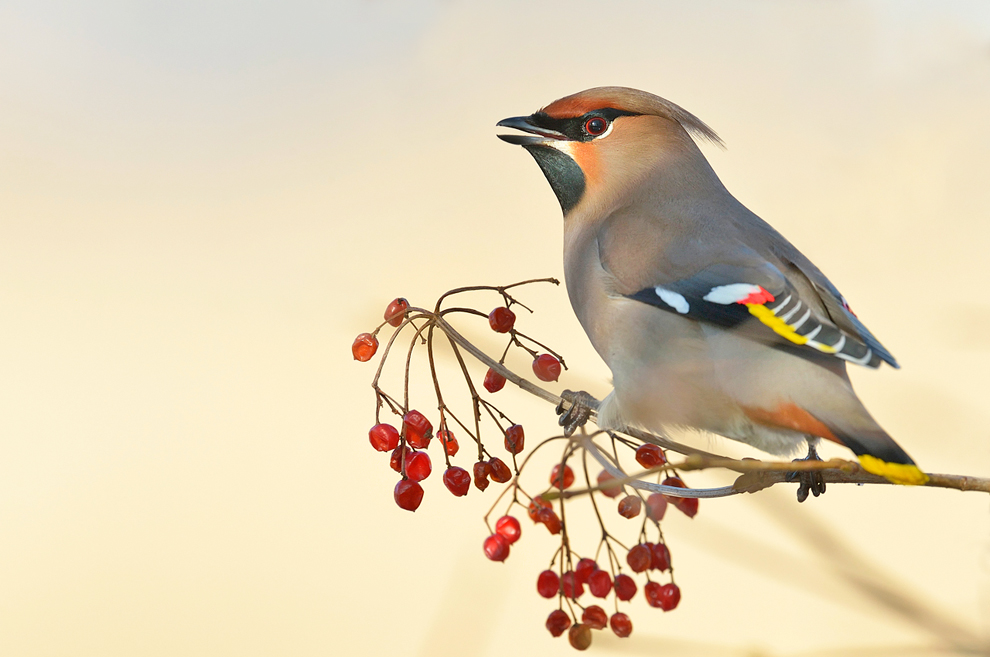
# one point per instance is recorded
(811, 481)
(577, 413)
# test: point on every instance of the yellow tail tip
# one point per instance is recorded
(897, 473)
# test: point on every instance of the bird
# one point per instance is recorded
(707, 317)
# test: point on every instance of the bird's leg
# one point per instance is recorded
(811, 481)
(578, 413)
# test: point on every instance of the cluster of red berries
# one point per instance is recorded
(408, 448)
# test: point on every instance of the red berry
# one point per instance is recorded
(612, 491)
(650, 456)
(558, 622)
(584, 568)
(535, 505)
(496, 547)
(448, 441)
(397, 459)
(481, 471)
(630, 506)
(652, 593)
(417, 429)
(670, 596)
(550, 520)
(656, 506)
(599, 584)
(515, 438)
(498, 470)
(501, 319)
(594, 617)
(408, 495)
(548, 584)
(457, 480)
(384, 437)
(364, 347)
(579, 636)
(546, 368)
(508, 527)
(493, 381)
(418, 466)
(396, 311)
(621, 625)
(571, 586)
(639, 558)
(661, 557)
(625, 587)
(561, 478)
(686, 505)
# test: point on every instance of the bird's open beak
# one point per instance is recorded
(525, 123)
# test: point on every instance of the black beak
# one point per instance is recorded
(525, 123)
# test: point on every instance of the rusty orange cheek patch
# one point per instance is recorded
(586, 157)
(790, 416)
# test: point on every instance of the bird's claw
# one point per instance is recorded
(811, 481)
(578, 413)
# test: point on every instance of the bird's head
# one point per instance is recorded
(596, 144)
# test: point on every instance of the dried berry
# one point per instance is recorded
(594, 617)
(493, 381)
(579, 636)
(546, 367)
(397, 457)
(686, 505)
(396, 311)
(639, 558)
(621, 625)
(498, 470)
(508, 527)
(599, 584)
(558, 622)
(625, 587)
(417, 430)
(384, 437)
(446, 438)
(364, 347)
(496, 547)
(611, 491)
(570, 585)
(670, 596)
(656, 506)
(515, 438)
(584, 568)
(650, 456)
(501, 319)
(661, 557)
(457, 480)
(408, 495)
(418, 466)
(561, 477)
(630, 506)
(652, 593)
(550, 520)
(481, 472)
(535, 505)
(548, 584)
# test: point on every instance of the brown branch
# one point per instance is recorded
(755, 475)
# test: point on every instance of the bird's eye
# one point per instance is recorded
(595, 126)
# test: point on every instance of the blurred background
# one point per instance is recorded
(202, 203)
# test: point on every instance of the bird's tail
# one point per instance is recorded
(880, 455)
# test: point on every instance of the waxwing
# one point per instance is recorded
(707, 317)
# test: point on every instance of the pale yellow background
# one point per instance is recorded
(201, 203)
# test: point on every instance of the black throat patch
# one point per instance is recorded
(564, 175)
